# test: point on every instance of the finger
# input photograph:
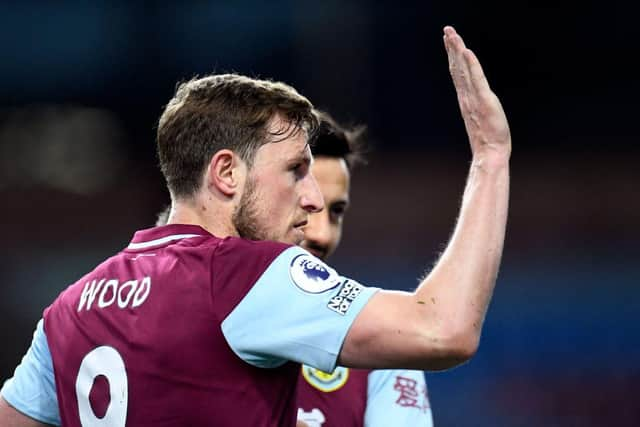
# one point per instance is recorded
(476, 73)
(449, 30)
(448, 33)
(451, 34)
(458, 66)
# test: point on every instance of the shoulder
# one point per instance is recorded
(237, 265)
(235, 247)
(273, 258)
(247, 258)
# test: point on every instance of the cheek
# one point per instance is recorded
(336, 235)
(274, 195)
(278, 199)
(286, 198)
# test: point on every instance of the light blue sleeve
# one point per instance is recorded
(32, 389)
(397, 398)
(299, 309)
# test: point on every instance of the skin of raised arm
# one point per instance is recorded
(11, 417)
(438, 326)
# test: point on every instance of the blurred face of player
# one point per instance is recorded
(279, 193)
(324, 230)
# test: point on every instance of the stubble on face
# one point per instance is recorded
(246, 216)
(256, 217)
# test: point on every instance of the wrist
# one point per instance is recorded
(492, 158)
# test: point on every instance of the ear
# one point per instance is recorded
(226, 172)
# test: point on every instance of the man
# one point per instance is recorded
(196, 323)
(354, 397)
(347, 396)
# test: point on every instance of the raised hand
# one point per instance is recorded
(484, 118)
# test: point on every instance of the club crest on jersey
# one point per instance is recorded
(312, 275)
(324, 381)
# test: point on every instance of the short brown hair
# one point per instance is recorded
(336, 140)
(224, 111)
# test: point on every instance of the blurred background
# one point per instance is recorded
(83, 83)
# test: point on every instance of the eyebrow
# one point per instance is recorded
(303, 155)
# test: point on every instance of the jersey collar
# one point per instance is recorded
(161, 236)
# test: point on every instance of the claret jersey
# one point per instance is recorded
(185, 329)
(363, 398)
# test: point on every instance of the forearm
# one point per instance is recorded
(438, 326)
(457, 292)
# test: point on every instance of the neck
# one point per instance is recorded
(210, 214)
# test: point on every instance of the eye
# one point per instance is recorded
(337, 211)
(299, 169)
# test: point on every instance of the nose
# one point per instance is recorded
(311, 200)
